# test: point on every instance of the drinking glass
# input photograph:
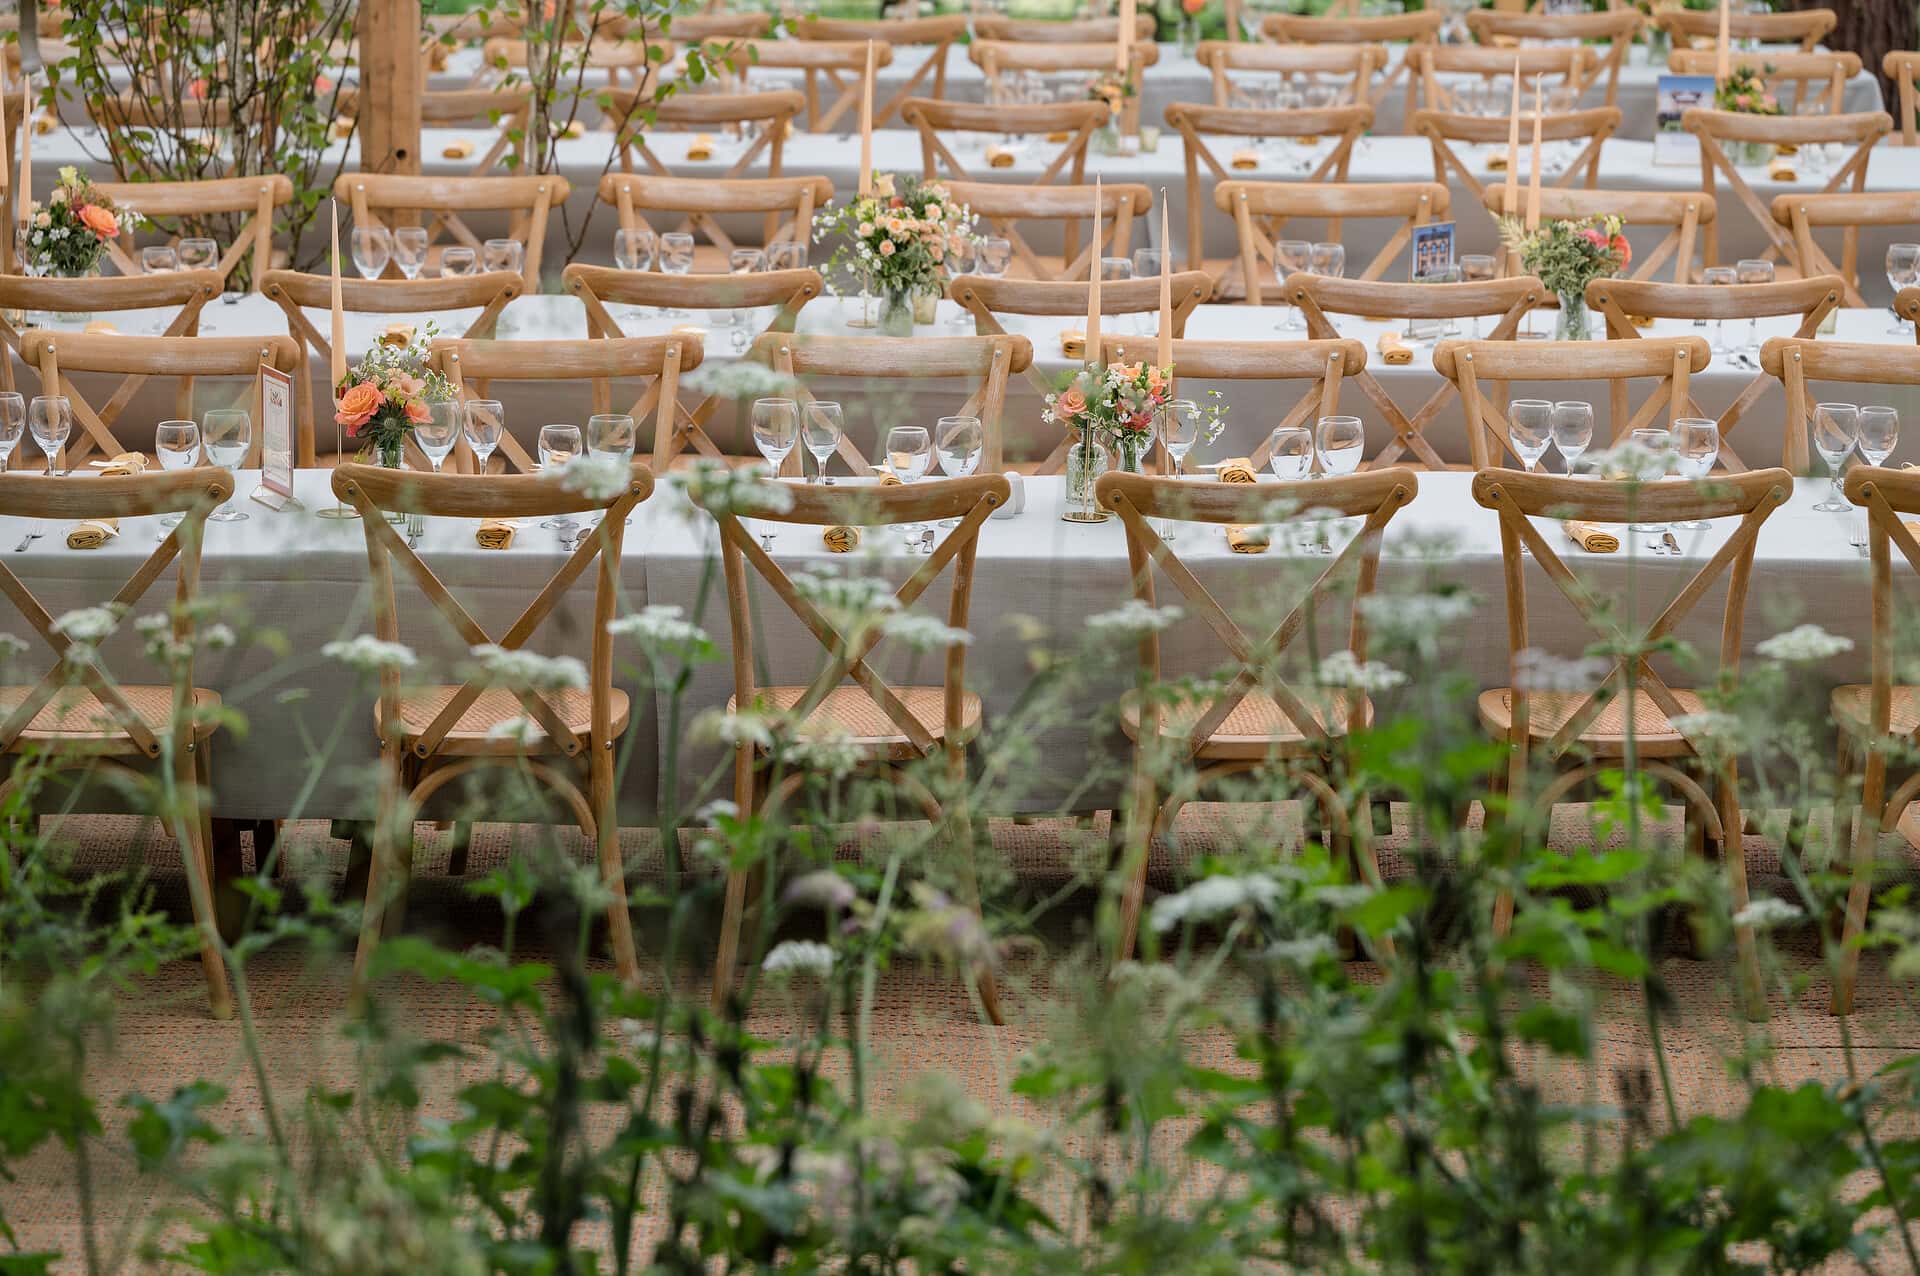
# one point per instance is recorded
(1328, 259)
(227, 433)
(1696, 446)
(1114, 269)
(485, 422)
(1836, 429)
(558, 445)
(51, 420)
(13, 424)
(1660, 444)
(457, 262)
(634, 249)
(410, 250)
(1754, 270)
(197, 253)
(502, 255)
(1477, 268)
(960, 443)
(176, 445)
(909, 453)
(158, 259)
(1290, 256)
(787, 254)
(742, 261)
(1903, 269)
(963, 256)
(776, 429)
(1572, 427)
(1290, 453)
(1720, 276)
(1879, 433)
(440, 432)
(611, 435)
(372, 250)
(821, 428)
(1530, 430)
(676, 258)
(1340, 441)
(996, 255)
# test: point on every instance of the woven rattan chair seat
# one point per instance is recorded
(851, 710)
(76, 714)
(1606, 735)
(1852, 704)
(1256, 728)
(473, 733)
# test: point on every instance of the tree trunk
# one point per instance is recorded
(1872, 28)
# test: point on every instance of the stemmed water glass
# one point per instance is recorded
(742, 261)
(909, 453)
(787, 254)
(1179, 429)
(176, 445)
(1289, 257)
(1696, 446)
(1903, 269)
(1659, 443)
(1721, 277)
(1754, 270)
(821, 428)
(457, 262)
(372, 250)
(159, 259)
(558, 445)
(1290, 453)
(776, 428)
(1530, 430)
(1879, 433)
(959, 442)
(676, 258)
(50, 417)
(13, 424)
(1572, 426)
(485, 421)
(440, 432)
(197, 253)
(1328, 259)
(963, 256)
(1339, 440)
(227, 434)
(1836, 430)
(410, 250)
(1477, 268)
(634, 249)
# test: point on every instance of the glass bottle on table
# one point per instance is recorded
(822, 426)
(1836, 431)
(372, 248)
(1903, 271)
(909, 452)
(1696, 446)
(226, 434)
(960, 442)
(50, 419)
(776, 429)
(410, 250)
(558, 444)
(176, 445)
(485, 422)
(1572, 426)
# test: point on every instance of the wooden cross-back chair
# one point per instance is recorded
(1798, 80)
(1263, 719)
(1701, 28)
(1669, 361)
(1881, 717)
(391, 199)
(927, 38)
(1196, 123)
(1261, 212)
(1318, 296)
(1847, 212)
(710, 24)
(1437, 67)
(1419, 29)
(430, 736)
(764, 115)
(1443, 129)
(1004, 206)
(1619, 300)
(599, 286)
(1323, 366)
(1351, 66)
(890, 727)
(296, 294)
(58, 356)
(938, 122)
(626, 63)
(1798, 361)
(1714, 128)
(190, 290)
(177, 206)
(1054, 31)
(1617, 27)
(997, 58)
(1903, 68)
(473, 366)
(1591, 729)
(503, 109)
(1683, 213)
(78, 716)
(1906, 304)
(985, 362)
(695, 206)
(830, 74)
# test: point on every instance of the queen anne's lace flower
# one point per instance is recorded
(737, 728)
(1804, 644)
(1341, 669)
(722, 489)
(830, 755)
(1628, 460)
(597, 478)
(1305, 951)
(661, 630)
(740, 379)
(799, 957)
(521, 730)
(88, 626)
(924, 633)
(1715, 725)
(1133, 619)
(823, 889)
(367, 654)
(11, 647)
(1537, 670)
(845, 597)
(1415, 617)
(1212, 897)
(529, 671)
(1767, 913)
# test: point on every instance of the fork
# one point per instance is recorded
(27, 540)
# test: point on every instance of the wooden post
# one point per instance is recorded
(390, 71)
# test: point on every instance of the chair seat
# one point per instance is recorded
(1852, 707)
(473, 732)
(75, 716)
(1256, 728)
(1548, 711)
(850, 710)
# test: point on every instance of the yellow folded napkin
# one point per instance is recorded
(342, 129)
(689, 330)
(45, 122)
(1252, 539)
(397, 334)
(1785, 148)
(495, 533)
(1592, 537)
(459, 148)
(1237, 469)
(1073, 343)
(437, 56)
(1393, 350)
(123, 465)
(999, 157)
(93, 533)
(701, 147)
(101, 328)
(841, 539)
(1781, 170)
(1497, 161)
(1640, 321)
(1246, 159)
(889, 479)
(1058, 135)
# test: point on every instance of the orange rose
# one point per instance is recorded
(98, 220)
(1069, 404)
(358, 404)
(1156, 380)
(1192, 6)
(417, 411)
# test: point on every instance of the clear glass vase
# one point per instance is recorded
(896, 313)
(1087, 460)
(1571, 323)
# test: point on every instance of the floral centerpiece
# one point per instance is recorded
(1567, 256)
(1116, 88)
(1744, 92)
(386, 394)
(67, 235)
(1190, 11)
(897, 240)
(1113, 409)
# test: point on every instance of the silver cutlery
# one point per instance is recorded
(27, 540)
(926, 542)
(1656, 545)
(1673, 546)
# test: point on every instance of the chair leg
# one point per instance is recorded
(1873, 795)
(196, 858)
(1141, 825)
(1752, 991)
(612, 873)
(727, 954)
(1516, 795)
(960, 822)
(1366, 862)
(382, 866)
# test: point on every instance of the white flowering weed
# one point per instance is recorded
(529, 671)
(1804, 644)
(661, 630)
(1767, 913)
(799, 957)
(924, 633)
(722, 489)
(367, 654)
(597, 478)
(1132, 620)
(1341, 669)
(1213, 897)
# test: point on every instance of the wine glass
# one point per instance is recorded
(372, 250)
(909, 452)
(996, 256)
(787, 254)
(1339, 441)
(485, 421)
(176, 445)
(1660, 444)
(1721, 277)
(197, 253)
(1836, 429)
(410, 250)
(1328, 259)
(558, 445)
(1754, 270)
(634, 249)
(159, 259)
(1290, 453)
(960, 442)
(1572, 426)
(742, 261)
(611, 435)
(1291, 256)
(457, 262)
(1696, 446)
(776, 428)
(1477, 268)
(963, 257)
(502, 255)
(1879, 433)
(227, 433)
(440, 432)
(1530, 430)
(50, 418)
(676, 258)
(13, 424)
(1903, 269)
(821, 428)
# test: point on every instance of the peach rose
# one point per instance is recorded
(1069, 404)
(98, 220)
(1156, 381)
(417, 411)
(358, 404)
(404, 385)
(886, 248)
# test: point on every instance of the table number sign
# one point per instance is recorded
(1674, 94)
(276, 440)
(1432, 264)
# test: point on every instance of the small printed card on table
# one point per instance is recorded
(276, 440)
(1432, 264)
(1672, 144)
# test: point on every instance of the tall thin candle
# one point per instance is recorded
(1165, 354)
(1533, 176)
(1093, 283)
(337, 333)
(866, 125)
(1511, 206)
(1723, 63)
(1123, 38)
(23, 206)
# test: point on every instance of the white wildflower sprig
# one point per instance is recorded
(721, 489)
(823, 889)
(1342, 669)
(829, 754)
(924, 633)
(1131, 621)
(1628, 461)
(741, 379)
(521, 730)
(663, 630)
(1213, 897)
(1537, 670)
(737, 727)
(1414, 618)
(528, 671)
(87, 627)
(597, 478)
(792, 957)
(370, 655)
(1804, 644)
(1769, 912)
(12, 647)
(845, 598)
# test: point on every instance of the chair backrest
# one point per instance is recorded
(194, 493)
(190, 290)
(1713, 128)
(1906, 304)
(996, 58)
(1684, 213)
(503, 108)
(1616, 26)
(57, 356)
(934, 34)
(695, 205)
(1805, 27)
(392, 199)
(1416, 30)
(763, 116)
(1518, 498)
(1319, 296)
(845, 653)
(1798, 80)
(936, 121)
(625, 62)
(1847, 212)
(1439, 68)
(1891, 498)
(297, 293)
(832, 67)
(1323, 366)
(1196, 123)
(1797, 361)
(1621, 300)
(472, 366)
(375, 491)
(1443, 129)
(1903, 68)
(1004, 206)
(1350, 66)
(1668, 361)
(237, 209)
(1051, 31)
(713, 24)
(1262, 210)
(1257, 659)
